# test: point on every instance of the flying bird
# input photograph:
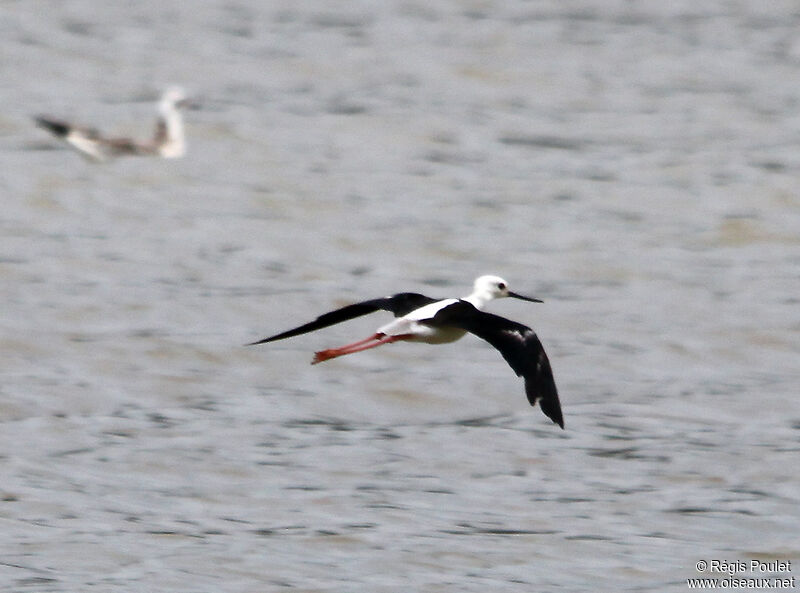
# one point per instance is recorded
(168, 141)
(419, 318)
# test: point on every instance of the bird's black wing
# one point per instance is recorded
(518, 344)
(61, 129)
(54, 126)
(399, 304)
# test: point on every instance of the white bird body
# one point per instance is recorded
(409, 325)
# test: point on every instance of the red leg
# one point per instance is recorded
(372, 342)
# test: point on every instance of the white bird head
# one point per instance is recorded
(173, 98)
(488, 288)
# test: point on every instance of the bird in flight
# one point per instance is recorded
(168, 141)
(419, 318)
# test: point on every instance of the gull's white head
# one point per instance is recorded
(488, 288)
(173, 98)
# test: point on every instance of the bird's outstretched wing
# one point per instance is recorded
(87, 141)
(54, 126)
(399, 304)
(518, 344)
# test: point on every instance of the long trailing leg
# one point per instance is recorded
(373, 341)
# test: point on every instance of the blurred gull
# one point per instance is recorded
(168, 141)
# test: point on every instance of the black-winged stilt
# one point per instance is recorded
(419, 318)
(167, 142)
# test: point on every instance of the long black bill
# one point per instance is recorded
(524, 298)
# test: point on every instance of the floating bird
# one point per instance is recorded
(167, 142)
(419, 318)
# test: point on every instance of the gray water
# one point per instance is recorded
(634, 164)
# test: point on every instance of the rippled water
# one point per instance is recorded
(634, 164)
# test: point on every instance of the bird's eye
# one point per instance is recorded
(501, 285)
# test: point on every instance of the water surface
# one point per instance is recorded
(632, 164)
